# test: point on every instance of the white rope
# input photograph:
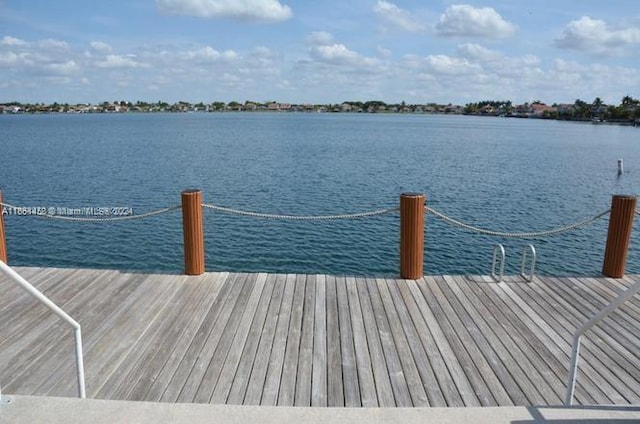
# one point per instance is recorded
(517, 235)
(300, 217)
(105, 219)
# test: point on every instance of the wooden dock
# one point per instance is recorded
(318, 340)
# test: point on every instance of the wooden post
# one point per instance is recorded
(3, 240)
(412, 235)
(193, 231)
(623, 210)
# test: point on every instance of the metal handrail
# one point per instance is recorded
(493, 265)
(575, 353)
(24, 284)
(532, 269)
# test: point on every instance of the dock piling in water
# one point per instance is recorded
(620, 167)
(623, 210)
(412, 235)
(193, 231)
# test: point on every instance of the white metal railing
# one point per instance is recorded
(575, 353)
(497, 248)
(532, 268)
(24, 284)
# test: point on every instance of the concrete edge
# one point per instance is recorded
(51, 410)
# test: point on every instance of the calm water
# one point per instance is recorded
(503, 174)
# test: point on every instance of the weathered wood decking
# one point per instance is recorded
(319, 340)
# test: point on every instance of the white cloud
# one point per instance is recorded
(50, 44)
(320, 38)
(448, 65)
(118, 61)
(384, 52)
(8, 59)
(244, 10)
(467, 21)
(100, 47)
(12, 41)
(594, 36)
(396, 17)
(69, 67)
(474, 51)
(339, 54)
(209, 54)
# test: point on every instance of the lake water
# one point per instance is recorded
(501, 174)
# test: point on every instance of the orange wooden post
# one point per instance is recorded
(412, 235)
(193, 231)
(3, 240)
(623, 210)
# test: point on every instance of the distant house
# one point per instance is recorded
(250, 106)
(346, 107)
(539, 109)
(285, 107)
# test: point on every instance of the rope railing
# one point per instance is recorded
(357, 215)
(299, 217)
(47, 215)
(544, 233)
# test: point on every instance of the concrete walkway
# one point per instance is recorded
(50, 410)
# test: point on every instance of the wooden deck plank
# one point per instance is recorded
(592, 352)
(527, 376)
(238, 386)
(321, 340)
(397, 376)
(347, 348)
(286, 396)
(368, 393)
(192, 355)
(540, 356)
(121, 380)
(487, 356)
(229, 368)
(618, 325)
(459, 361)
(480, 373)
(546, 329)
(31, 317)
(154, 382)
(240, 292)
(48, 336)
(335, 390)
(103, 320)
(378, 363)
(603, 355)
(235, 330)
(56, 380)
(255, 386)
(117, 344)
(529, 324)
(16, 302)
(276, 361)
(319, 367)
(415, 360)
(305, 358)
(449, 371)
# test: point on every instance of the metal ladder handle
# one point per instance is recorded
(502, 260)
(532, 269)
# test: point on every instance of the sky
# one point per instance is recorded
(330, 51)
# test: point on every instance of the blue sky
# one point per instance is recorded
(319, 52)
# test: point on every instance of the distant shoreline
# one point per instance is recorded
(276, 112)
